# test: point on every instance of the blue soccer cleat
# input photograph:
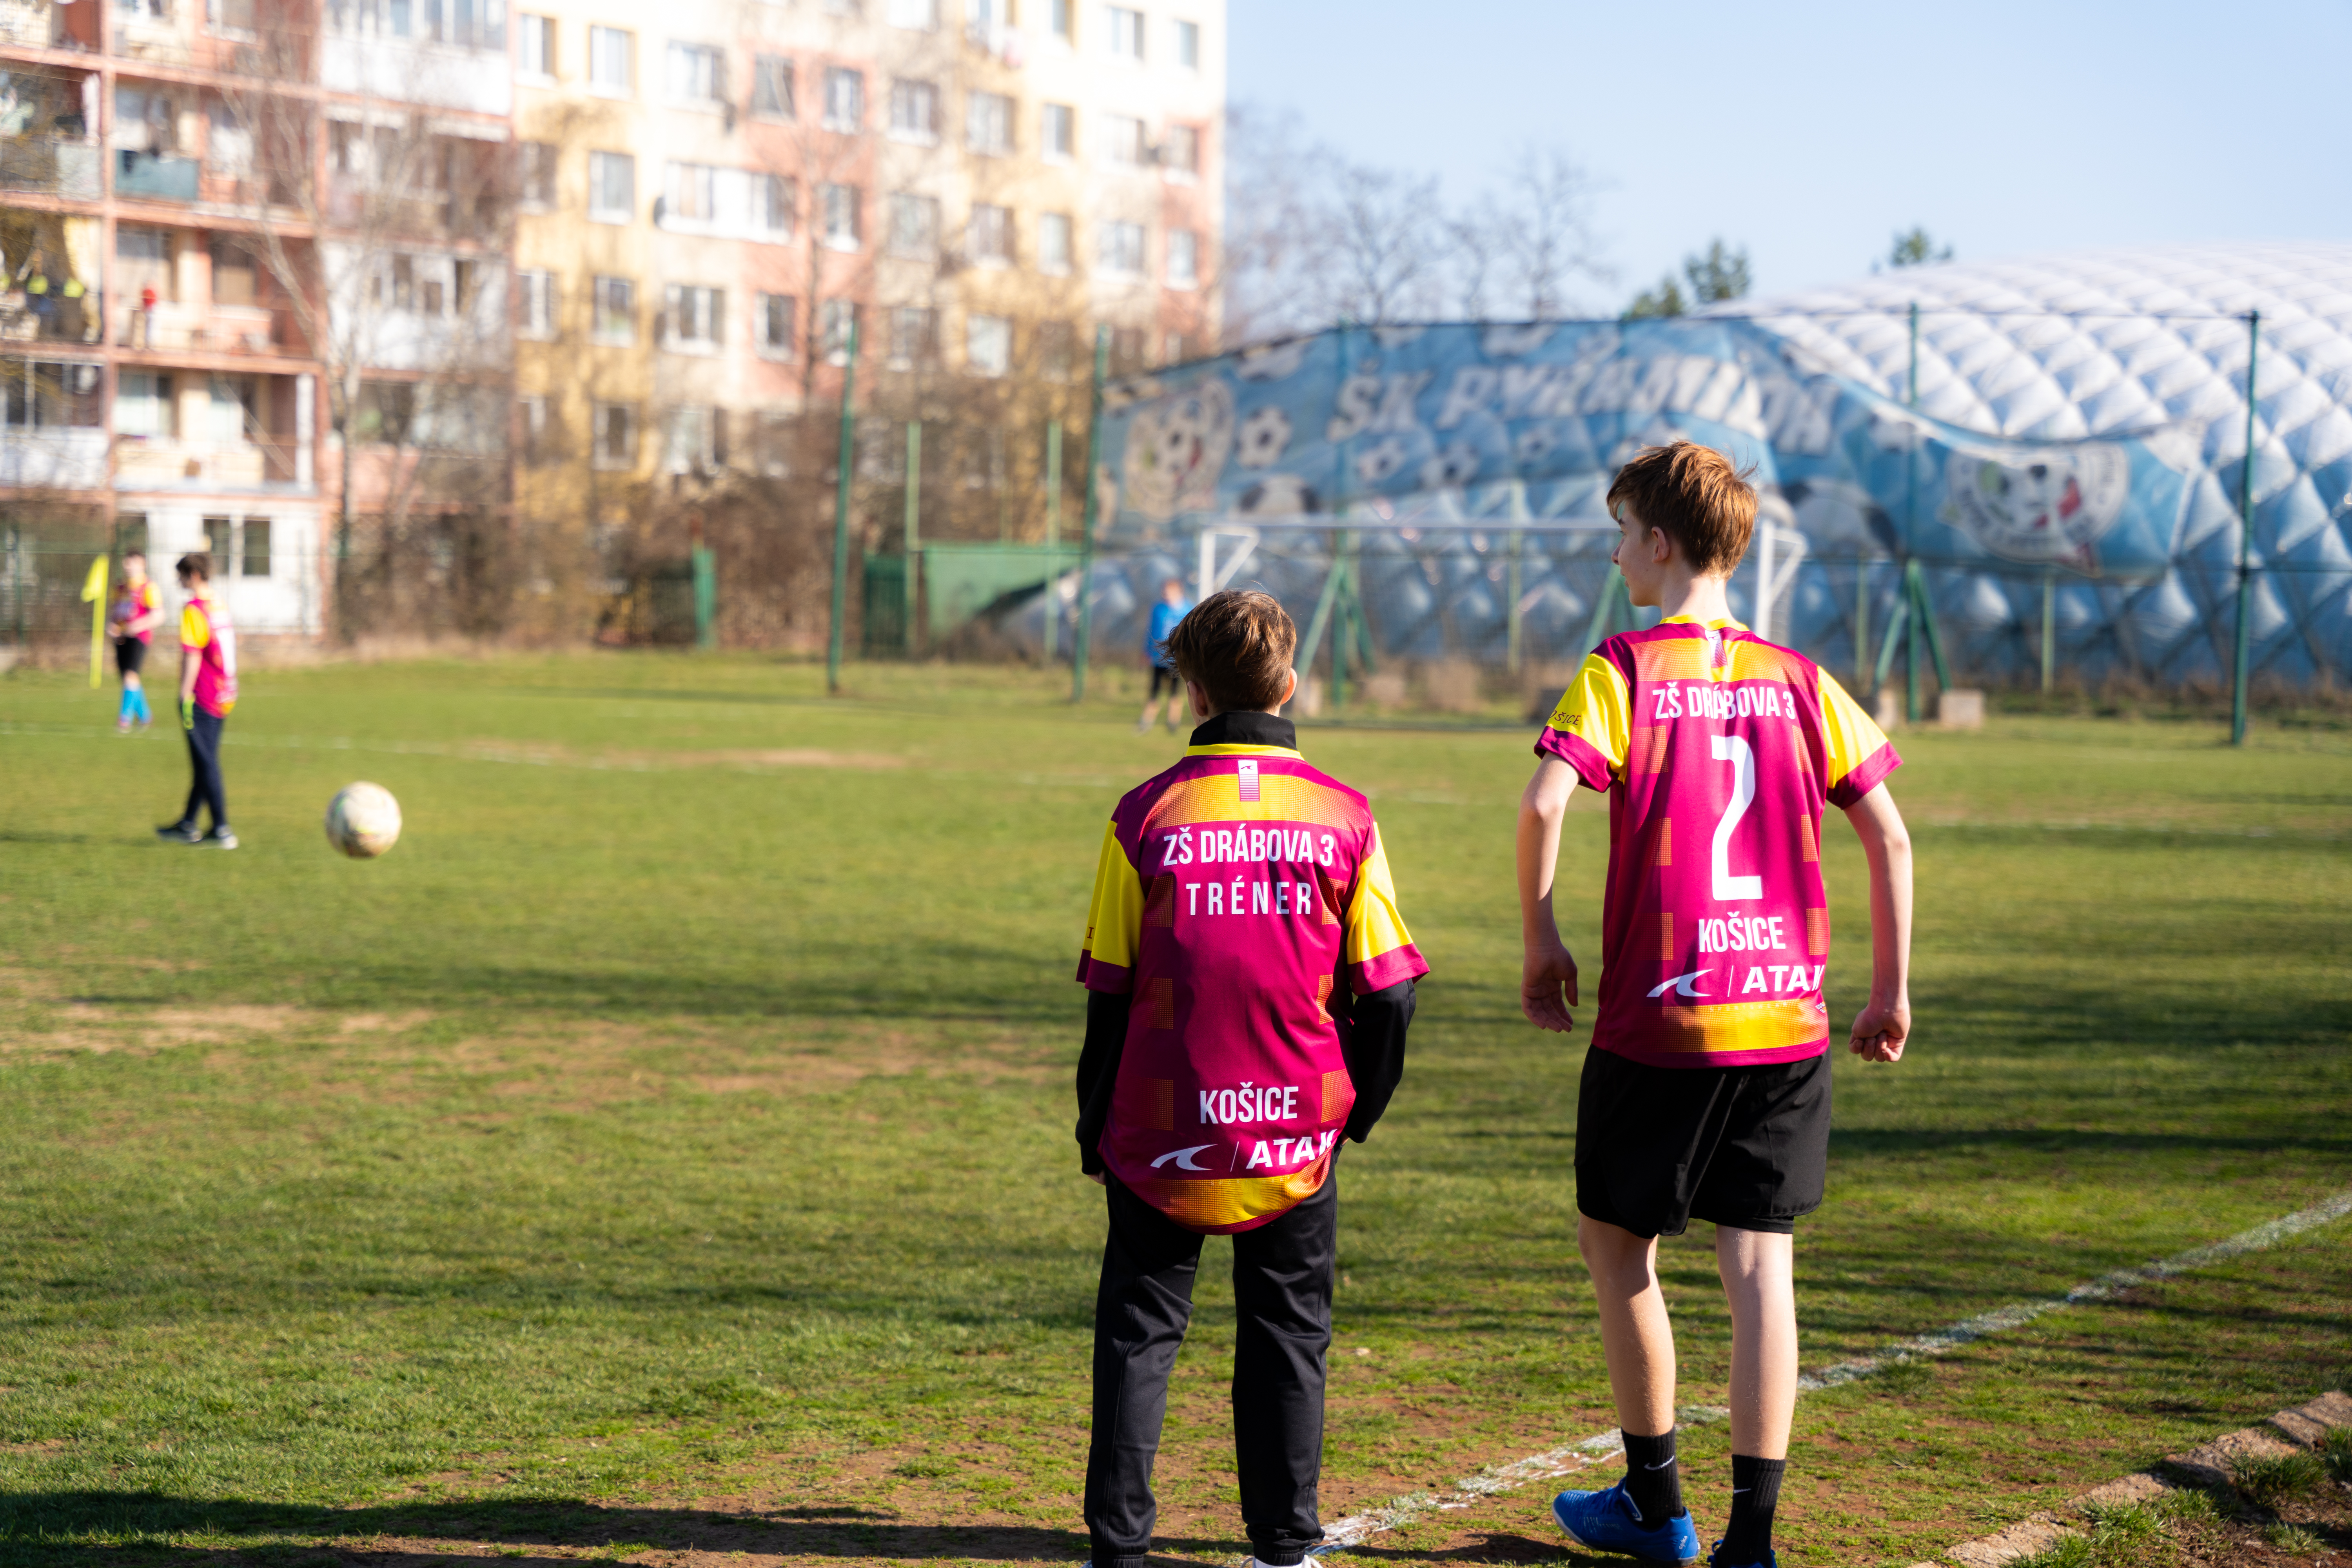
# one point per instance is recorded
(1608, 1521)
(1716, 1558)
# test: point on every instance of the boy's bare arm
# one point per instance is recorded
(1547, 974)
(1881, 1027)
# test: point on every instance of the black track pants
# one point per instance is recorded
(204, 761)
(1282, 1295)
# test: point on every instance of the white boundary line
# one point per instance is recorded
(1586, 1452)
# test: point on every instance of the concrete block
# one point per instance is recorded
(2298, 1428)
(2332, 1409)
(1888, 709)
(2136, 1487)
(1962, 708)
(2023, 1538)
(2208, 1464)
(1308, 703)
(1385, 689)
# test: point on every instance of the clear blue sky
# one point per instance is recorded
(1810, 132)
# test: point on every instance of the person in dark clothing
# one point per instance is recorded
(1250, 987)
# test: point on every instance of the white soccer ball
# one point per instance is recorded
(363, 820)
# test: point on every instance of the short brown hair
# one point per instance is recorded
(196, 565)
(1238, 645)
(1695, 497)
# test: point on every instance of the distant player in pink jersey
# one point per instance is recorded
(207, 692)
(1706, 1091)
(1250, 986)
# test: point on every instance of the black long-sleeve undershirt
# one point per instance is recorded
(1371, 1040)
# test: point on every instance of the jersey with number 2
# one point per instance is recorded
(1718, 751)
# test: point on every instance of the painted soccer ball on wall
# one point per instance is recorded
(363, 820)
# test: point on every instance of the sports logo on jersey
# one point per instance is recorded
(1682, 985)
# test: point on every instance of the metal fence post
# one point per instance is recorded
(1053, 533)
(2245, 642)
(2048, 628)
(841, 515)
(1087, 527)
(914, 529)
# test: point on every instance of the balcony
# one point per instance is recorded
(401, 71)
(156, 176)
(165, 463)
(50, 167)
(65, 458)
(170, 327)
(50, 318)
(39, 25)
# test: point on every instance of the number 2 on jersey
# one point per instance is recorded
(1736, 751)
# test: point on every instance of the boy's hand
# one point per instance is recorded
(1547, 974)
(1881, 1030)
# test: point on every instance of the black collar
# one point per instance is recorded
(1241, 727)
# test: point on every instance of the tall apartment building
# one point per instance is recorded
(195, 269)
(715, 190)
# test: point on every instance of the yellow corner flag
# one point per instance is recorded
(93, 593)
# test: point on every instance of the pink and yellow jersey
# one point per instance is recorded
(206, 635)
(1234, 892)
(133, 603)
(1718, 751)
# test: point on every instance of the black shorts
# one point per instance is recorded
(1165, 675)
(1659, 1147)
(130, 655)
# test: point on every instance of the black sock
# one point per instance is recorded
(1755, 1493)
(1653, 1480)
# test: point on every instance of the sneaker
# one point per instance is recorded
(180, 833)
(1716, 1558)
(1142, 727)
(122, 726)
(224, 836)
(1608, 1521)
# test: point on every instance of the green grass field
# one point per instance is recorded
(665, 1151)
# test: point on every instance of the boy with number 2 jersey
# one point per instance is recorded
(1706, 1091)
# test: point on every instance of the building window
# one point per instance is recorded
(914, 226)
(1180, 155)
(693, 440)
(696, 75)
(612, 188)
(144, 406)
(844, 216)
(836, 319)
(920, 15)
(470, 23)
(535, 58)
(610, 74)
(531, 419)
(988, 345)
(537, 304)
(771, 87)
(1058, 133)
(1123, 141)
(432, 299)
(914, 112)
(1054, 244)
(1125, 32)
(1060, 21)
(914, 337)
(988, 239)
(845, 100)
(253, 552)
(1183, 259)
(694, 318)
(1188, 45)
(776, 320)
(689, 193)
(615, 324)
(1126, 349)
(616, 436)
(775, 203)
(1053, 344)
(988, 123)
(386, 412)
(236, 278)
(1122, 247)
(535, 173)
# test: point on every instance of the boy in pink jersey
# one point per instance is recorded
(1250, 983)
(1706, 1091)
(207, 692)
